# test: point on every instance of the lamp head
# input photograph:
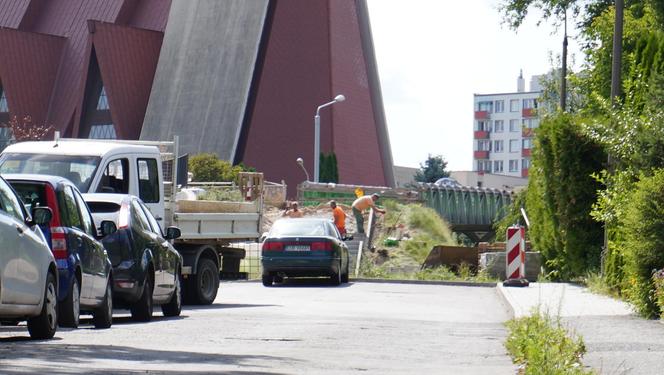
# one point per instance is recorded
(299, 161)
(339, 98)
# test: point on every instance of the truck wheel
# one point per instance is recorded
(205, 282)
(45, 324)
(174, 306)
(141, 311)
(102, 317)
(69, 309)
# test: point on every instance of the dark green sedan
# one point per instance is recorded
(305, 247)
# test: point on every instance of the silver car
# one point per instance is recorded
(28, 274)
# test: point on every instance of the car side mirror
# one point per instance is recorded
(41, 216)
(263, 237)
(173, 233)
(107, 227)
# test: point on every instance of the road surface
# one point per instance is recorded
(298, 328)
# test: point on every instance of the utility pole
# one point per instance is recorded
(563, 72)
(616, 63)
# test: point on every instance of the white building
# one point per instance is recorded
(503, 130)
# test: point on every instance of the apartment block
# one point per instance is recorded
(503, 130)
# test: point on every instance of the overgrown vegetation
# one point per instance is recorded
(221, 194)
(414, 230)
(207, 167)
(571, 182)
(542, 345)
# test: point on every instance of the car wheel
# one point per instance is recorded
(69, 309)
(174, 306)
(344, 277)
(278, 279)
(206, 282)
(267, 280)
(336, 277)
(45, 324)
(102, 317)
(142, 310)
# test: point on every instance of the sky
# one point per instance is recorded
(433, 55)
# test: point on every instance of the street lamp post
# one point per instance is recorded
(300, 162)
(338, 98)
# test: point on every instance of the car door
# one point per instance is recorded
(77, 243)
(98, 259)
(23, 251)
(154, 246)
(168, 256)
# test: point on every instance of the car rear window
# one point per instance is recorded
(32, 194)
(103, 207)
(297, 227)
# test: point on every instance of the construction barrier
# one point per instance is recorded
(516, 257)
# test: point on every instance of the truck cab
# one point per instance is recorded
(94, 167)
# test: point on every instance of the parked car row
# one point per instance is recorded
(56, 263)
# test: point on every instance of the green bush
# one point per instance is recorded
(543, 346)
(644, 247)
(560, 195)
(208, 167)
(658, 281)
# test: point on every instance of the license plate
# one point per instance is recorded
(297, 248)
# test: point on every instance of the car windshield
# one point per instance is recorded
(78, 169)
(297, 227)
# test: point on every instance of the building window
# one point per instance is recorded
(529, 103)
(514, 126)
(514, 165)
(498, 126)
(102, 103)
(102, 131)
(483, 145)
(530, 123)
(485, 106)
(484, 166)
(497, 166)
(498, 146)
(3, 101)
(525, 163)
(500, 106)
(514, 105)
(514, 145)
(527, 143)
(483, 125)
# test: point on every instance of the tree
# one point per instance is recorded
(207, 167)
(432, 169)
(328, 168)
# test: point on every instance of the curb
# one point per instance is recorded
(507, 299)
(425, 282)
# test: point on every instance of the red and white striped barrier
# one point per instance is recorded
(516, 256)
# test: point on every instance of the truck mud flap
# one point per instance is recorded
(231, 257)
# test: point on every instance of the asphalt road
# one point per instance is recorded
(299, 328)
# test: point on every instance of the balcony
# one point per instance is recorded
(524, 172)
(527, 132)
(481, 115)
(525, 152)
(529, 112)
(481, 154)
(481, 134)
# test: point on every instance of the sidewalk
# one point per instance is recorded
(560, 299)
(617, 340)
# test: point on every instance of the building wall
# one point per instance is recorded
(516, 136)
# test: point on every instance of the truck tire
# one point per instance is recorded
(205, 282)
(141, 311)
(45, 324)
(174, 306)
(69, 309)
